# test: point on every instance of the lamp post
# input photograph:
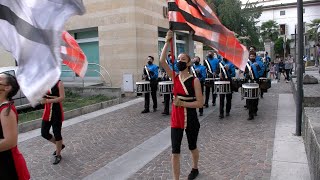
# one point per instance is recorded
(299, 95)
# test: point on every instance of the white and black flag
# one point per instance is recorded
(31, 30)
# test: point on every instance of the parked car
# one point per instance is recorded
(19, 99)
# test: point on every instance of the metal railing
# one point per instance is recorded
(92, 70)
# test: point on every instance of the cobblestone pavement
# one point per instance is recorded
(92, 144)
(232, 148)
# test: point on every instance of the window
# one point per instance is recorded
(282, 13)
(304, 10)
(282, 29)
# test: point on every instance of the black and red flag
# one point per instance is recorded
(197, 17)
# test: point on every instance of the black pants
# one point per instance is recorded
(252, 105)
(202, 89)
(166, 98)
(154, 87)
(228, 104)
(288, 74)
(56, 128)
(177, 135)
(214, 96)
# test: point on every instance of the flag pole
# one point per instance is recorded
(172, 58)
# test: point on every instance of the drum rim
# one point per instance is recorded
(224, 82)
(165, 82)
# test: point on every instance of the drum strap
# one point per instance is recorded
(145, 67)
(224, 71)
(250, 70)
(193, 71)
(209, 66)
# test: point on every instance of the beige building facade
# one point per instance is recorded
(119, 35)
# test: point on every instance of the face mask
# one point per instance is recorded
(210, 56)
(196, 63)
(181, 65)
(149, 62)
(252, 60)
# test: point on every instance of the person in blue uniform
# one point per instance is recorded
(200, 72)
(226, 75)
(252, 104)
(150, 73)
(211, 65)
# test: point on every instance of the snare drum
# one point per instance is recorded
(143, 87)
(165, 87)
(210, 81)
(250, 91)
(264, 83)
(222, 87)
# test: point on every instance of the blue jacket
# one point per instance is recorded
(169, 62)
(154, 70)
(214, 64)
(203, 72)
(231, 71)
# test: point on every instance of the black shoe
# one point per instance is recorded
(200, 113)
(165, 113)
(227, 114)
(145, 111)
(57, 159)
(154, 109)
(54, 153)
(193, 174)
(250, 118)
(255, 114)
(213, 104)
(206, 105)
(221, 116)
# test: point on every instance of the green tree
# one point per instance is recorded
(278, 46)
(239, 19)
(312, 32)
(269, 30)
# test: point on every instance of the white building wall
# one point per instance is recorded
(290, 17)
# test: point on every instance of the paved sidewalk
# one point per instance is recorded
(232, 148)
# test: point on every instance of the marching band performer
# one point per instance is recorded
(227, 71)
(252, 74)
(188, 97)
(211, 63)
(150, 73)
(199, 71)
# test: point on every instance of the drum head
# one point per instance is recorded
(209, 79)
(165, 82)
(250, 85)
(143, 82)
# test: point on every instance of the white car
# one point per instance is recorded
(20, 100)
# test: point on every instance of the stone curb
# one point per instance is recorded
(35, 124)
(311, 140)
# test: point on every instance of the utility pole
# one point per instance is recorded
(299, 94)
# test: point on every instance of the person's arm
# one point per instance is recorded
(57, 99)
(10, 130)
(163, 55)
(199, 99)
